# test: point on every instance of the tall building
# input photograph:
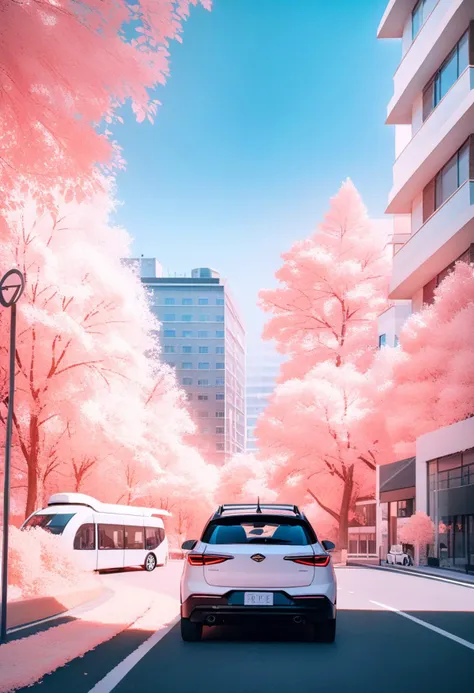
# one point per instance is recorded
(432, 109)
(203, 338)
(263, 368)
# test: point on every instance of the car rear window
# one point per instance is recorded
(54, 523)
(265, 530)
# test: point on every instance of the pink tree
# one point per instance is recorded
(90, 387)
(431, 376)
(67, 66)
(419, 531)
(244, 479)
(323, 424)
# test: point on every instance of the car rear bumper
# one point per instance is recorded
(229, 609)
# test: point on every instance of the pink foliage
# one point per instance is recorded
(68, 66)
(41, 565)
(93, 402)
(418, 530)
(323, 427)
(244, 478)
(431, 374)
(333, 286)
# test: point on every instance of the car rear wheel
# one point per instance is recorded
(325, 632)
(150, 562)
(190, 632)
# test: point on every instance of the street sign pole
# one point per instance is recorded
(11, 288)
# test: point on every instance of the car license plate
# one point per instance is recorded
(258, 599)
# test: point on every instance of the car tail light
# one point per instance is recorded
(207, 559)
(319, 561)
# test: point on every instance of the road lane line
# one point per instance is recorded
(425, 624)
(115, 676)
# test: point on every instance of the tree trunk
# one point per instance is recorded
(344, 510)
(32, 465)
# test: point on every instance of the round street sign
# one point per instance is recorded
(11, 287)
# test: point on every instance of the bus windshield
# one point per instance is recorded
(51, 523)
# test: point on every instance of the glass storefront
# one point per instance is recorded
(451, 507)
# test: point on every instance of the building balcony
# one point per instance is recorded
(440, 241)
(440, 136)
(394, 18)
(439, 34)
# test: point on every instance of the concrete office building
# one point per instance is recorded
(263, 369)
(203, 338)
(432, 109)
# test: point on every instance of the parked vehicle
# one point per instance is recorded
(397, 556)
(105, 536)
(255, 562)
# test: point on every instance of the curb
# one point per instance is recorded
(415, 573)
(30, 611)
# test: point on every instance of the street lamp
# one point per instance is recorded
(11, 288)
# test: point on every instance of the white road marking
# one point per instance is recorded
(425, 624)
(113, 678)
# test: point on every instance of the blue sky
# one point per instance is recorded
(269, 106)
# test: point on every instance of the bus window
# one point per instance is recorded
(110, 537)
(154, 537)
(134, 538)
(85, 538)
(51, 523)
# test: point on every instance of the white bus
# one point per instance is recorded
(105, 536)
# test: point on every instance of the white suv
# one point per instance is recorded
(256, 562)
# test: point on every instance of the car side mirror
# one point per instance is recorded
(189, 545)
(328, 545)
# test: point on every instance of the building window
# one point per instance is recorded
(187, 302)
(220, 447)
(203, 301)
(405, 508)
(203, 334)
(220, 381)
(220, 334)
(220, 366)
(187, 350)
(189, 395)
(169, 349)
(187, 381)
(203, 365)
(220, 414)
(204, 318)
(219, 350)
(186, 318)
(169, 317)
(169, 301)
(203, 398)
(186, 334)
(453, 174)
(220, 302)
(382, 340)
(397, 341)
(220, 430)
(203, 350)
(220, 396)
(186, 365)
(447, 75)
(417, 18)
(219, 318)
(169, 333)
(203, 414)
(203, 383)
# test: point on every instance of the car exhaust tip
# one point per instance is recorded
(297, 619)
(210, 620)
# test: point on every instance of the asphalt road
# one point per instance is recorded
(378, 649)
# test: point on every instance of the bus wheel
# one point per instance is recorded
(150, 562)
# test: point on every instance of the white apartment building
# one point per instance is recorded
(432, 109)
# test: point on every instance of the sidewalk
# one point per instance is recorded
(458, 577)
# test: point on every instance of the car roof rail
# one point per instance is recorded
(256, 507)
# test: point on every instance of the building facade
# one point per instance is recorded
(432, 109)
(262, 371)
(202, 336)
(396, 501)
